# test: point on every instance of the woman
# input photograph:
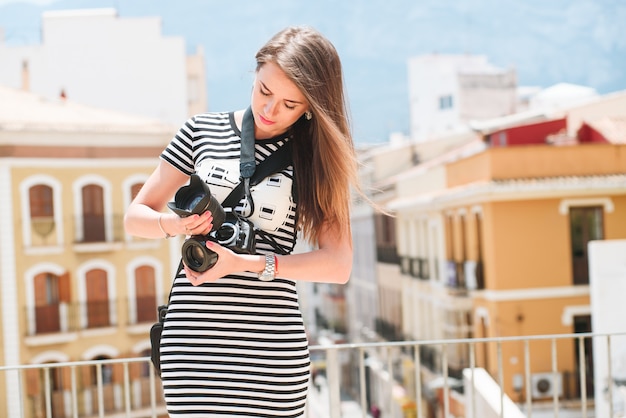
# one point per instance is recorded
(233, 342)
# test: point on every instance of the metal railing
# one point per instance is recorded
(367, 374)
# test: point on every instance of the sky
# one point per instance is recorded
(546, 41)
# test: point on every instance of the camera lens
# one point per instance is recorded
(192, 203)
(197, 256)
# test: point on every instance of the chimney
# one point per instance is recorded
(25, 76)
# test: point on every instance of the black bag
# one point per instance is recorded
(155, 339)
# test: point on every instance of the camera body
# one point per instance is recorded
(229, 229)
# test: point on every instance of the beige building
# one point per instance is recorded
(74, 286)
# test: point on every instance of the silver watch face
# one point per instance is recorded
(266, 276)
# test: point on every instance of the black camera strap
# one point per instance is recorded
(251, 173)
(247, 162)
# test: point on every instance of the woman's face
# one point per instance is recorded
(276, 102)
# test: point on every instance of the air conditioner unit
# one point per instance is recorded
(545, 385)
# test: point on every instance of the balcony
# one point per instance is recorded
(464, 276)
(62, 322)
(402, 379)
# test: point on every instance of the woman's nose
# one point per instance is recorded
(270, 107)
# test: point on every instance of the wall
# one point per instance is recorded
(607, 269)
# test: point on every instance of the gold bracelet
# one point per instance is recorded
(161, 227)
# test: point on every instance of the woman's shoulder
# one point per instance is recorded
(219, 121)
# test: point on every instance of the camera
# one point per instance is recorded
(229, 229)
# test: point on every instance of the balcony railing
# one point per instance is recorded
(396, 377)
(64, 317)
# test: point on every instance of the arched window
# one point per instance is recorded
(134, 189)
(41, 204)
(96, 282)
(145, 291)
(93, 213)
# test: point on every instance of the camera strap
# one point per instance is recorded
(251, 173)
(247, 163)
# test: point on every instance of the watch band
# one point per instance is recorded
(269, 272)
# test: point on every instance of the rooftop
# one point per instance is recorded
(27, 112)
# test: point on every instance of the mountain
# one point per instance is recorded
(574, 41)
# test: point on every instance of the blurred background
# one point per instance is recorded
(492, 132)
(544, 42)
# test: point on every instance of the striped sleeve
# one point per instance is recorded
(208, 135)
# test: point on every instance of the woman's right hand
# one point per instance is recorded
(194, 224)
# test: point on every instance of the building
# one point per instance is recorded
(491, 238)
(94, 57)
(74, 285)
(446, 91)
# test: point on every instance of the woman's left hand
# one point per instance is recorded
(226, 259)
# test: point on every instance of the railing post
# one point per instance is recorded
(127, 389)
(100, 390)
(388, 354)
(472, 365)
(74, 392)
(446, 387)
(500, 378)
(362, 388)
(333, 378)
(47, 394)
(555, 370)
(418, 381)
(529, 397)
(609, 377)
(583, 375)
(152, 379)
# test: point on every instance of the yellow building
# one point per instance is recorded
(492, 237)
(74, 286)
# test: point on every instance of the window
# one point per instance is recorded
(41, 210)
(50, 291)
(134, 189)
(582, 324)
(480, 280)
(47, 316)
(385, 232)
(107, 372)
(93, 213)
(145, 291)
(97, 298)
(445, 102)
(586, 224)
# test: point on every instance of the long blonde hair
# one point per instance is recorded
(323, 149)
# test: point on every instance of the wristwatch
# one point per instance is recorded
(269, 271)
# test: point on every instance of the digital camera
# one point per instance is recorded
(229, 229)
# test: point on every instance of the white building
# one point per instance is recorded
(96, 58)
(447, 91)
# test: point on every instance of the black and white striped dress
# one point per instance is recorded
(235, 347)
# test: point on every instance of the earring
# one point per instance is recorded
(308, 115)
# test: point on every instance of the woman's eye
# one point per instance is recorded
(290, 107)
(264, 93)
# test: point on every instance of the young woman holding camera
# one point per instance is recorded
(233, 341)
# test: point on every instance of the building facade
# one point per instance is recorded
(74, 285)
(491, 236)
(446, 91)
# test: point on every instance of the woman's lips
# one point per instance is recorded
(265, 121)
